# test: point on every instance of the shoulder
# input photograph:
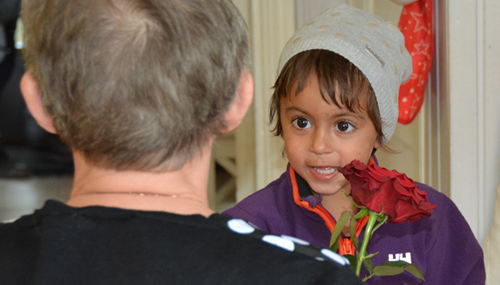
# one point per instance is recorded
(290, 258)
(446, 225)
(445, 207)
(241, 229)
(15, 227)
(450, 229)
(266, 201)
(445, 214)
(19, 244)
(276, 189)
(442, 245)
(450, 238)
(433, 194)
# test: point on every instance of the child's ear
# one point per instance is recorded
(33, 99)
(239, 107)
(378, 144)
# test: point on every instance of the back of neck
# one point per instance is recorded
(182, 191)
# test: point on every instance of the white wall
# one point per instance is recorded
(473, 101)
(491, 121)
(271, 24)
(307, 9)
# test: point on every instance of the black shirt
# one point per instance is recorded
(98, 245)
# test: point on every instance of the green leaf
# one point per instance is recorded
(368, 265)
(335, 247)
(415, 271)
(354, 220)
(362, 213)
(380, 224)
(381, 217)
(352, 259)
(384, 270)
(367, 277)
(371, 255)
(399, 263)
(406, 266)
(339, 227)
(352, 201)
(352, 231)
(355, 240)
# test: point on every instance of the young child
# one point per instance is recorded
(335, 100)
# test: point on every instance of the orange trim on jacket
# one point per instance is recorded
(346, 246)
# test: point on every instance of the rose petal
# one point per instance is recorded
(376, 176)
(380, 189)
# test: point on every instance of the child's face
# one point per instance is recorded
(320, 137)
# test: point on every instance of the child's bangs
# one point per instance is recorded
(340, 83)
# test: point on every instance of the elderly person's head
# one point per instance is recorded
(133, 85)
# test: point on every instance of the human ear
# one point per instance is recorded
(33, 99)
(378, 144)
(240, 105)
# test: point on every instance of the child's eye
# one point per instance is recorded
(301, 123)
(344, 127)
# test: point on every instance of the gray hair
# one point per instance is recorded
(136, 84)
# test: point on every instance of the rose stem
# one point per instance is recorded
(368, 232)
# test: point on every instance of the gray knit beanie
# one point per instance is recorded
(374, 46)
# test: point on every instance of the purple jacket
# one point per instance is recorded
(442, 246)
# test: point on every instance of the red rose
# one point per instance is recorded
(377, 189)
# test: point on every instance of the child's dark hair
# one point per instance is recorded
(340, 82)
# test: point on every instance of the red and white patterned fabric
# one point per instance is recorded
(416, 23)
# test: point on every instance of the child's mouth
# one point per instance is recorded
(325, 170)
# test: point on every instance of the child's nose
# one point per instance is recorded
(321, 142)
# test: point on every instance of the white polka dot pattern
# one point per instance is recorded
(279, 242)
(239, 226)
(285, 242)
(295, 240)
(335, 256)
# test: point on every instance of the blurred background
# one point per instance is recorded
(34, 165)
